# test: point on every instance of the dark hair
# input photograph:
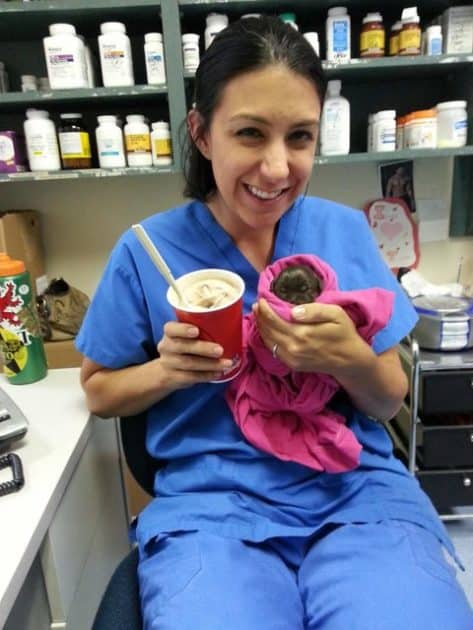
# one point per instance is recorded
(245, 45)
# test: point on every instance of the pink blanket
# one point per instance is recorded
(284, 412)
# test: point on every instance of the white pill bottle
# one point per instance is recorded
(161, 146)
(338, 32)
(110, 145)
(335, 122)
(115, 55)
(137, 141)
(65, 58)
(41, 141)
(154, 59)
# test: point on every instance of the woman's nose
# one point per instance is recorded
(275, 162)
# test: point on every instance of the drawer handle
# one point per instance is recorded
(467, 482)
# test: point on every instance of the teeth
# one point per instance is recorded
(263, 194)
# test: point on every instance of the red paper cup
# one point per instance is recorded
(221, 324)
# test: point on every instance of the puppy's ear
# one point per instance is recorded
(200, 138)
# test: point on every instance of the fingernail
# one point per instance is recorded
(299, 312)
(226, 363)
(192, 331)
(217, 351)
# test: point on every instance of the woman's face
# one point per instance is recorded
(261, 143)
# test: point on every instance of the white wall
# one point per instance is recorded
(83, 218)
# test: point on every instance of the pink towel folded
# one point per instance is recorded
(285, 412)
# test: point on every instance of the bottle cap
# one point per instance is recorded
(451, 105)
(133, 118)
(62, 29)
(160, 124)
(387, 113)
(36, 113)
(153, 37)
(216, 18)
(334, 86)
(69, 116)
(409, 15)
(287, 17)
(10, 267)
(334, 11)
(107, 119)
(372, 17)
(397, 26)
(190, 38)
(112, 27)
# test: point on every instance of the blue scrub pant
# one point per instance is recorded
(391, 575)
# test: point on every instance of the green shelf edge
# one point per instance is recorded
(91, 173)
(392, 156)
(72, 5)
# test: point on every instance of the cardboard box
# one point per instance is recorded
(20, 238)
(457, 27)
(62, 354)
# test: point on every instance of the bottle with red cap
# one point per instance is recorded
(21, 344)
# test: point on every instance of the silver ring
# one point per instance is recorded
(274, 351)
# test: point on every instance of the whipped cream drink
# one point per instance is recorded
(210, 293)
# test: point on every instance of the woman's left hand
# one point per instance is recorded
(321, 338)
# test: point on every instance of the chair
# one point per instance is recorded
(119, 608)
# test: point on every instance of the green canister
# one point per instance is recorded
(21, 344)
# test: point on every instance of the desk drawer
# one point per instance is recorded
(448, 489)
(449, 391)
(447, 446)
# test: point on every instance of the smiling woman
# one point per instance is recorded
(240, 538)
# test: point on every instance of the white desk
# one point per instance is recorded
(61, 433)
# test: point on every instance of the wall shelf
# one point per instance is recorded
(392, 156)
(90, 173)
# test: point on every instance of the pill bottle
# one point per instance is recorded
(41, 141)
(384, 131)
(21, 344)
(190, 51)
(400, 123)
(410, 35)
(372, 36)
(250, 15)
(289, 18)
(216, 22)
(28, 83)
(335, 122)
(394, 38)
(115, 55)
(74, 142)
(369, 133)
(452, 124)
(65, 58)
(433, 40)
(420, 129)
(43, 84)
(137, 141)
(338, 34)
(89, 64)
(110, 146)
(4, 84)
(313, 38)
(161, 146)
(154, 59)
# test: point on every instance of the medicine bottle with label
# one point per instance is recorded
(110, 146)
(338, 32)
(137, 141)
(394, 38)
(335, 122)
(115, 55)
(384, 131)
(372, 36)
(154, 59)
(216, 22)
(74, 142)
(452, 124)
(41, 141)
(410, 35)
(190, 51)
(433, 40)
(28, 83)
(65, 58)
(161, 143)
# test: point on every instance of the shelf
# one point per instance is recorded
(393, 156)
(90, 173)
(11, 100)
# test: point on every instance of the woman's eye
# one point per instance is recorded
(249, 132)
(301, 135)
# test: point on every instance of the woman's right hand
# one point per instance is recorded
(186, 360)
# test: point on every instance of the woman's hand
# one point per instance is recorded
(185, 360)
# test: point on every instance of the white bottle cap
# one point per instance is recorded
(112, 27)
(106, 119)
(387, 113)
(62, 29)
(409, 15)
(133, 118)
(216, 18)
(70, 116)
(334, 87)
(28, 78)
(334, 11)
(436, 29)
(311, 36)
(36, 113)
(397, 26)
(153, 37)
(372, 17)
(190, 38)
(250, 15)
(160, 124)
(451, 105)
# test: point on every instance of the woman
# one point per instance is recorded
(238, 538)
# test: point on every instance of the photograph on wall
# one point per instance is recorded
(397, 181)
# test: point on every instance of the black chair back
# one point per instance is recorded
(142, 466)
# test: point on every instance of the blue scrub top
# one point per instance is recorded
(214, 479)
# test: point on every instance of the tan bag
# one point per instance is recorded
(61, 309)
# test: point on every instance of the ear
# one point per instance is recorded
(200, 139)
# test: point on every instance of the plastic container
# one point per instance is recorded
(410, 35)
(420, 130)
(452, 124)
(41, 141)
(115, 55)
(137, 141)
(400, 122)
(28, 83)
(313, 38)
(394, 38)
(433, 40)
(372, 36)
(216, 22)
(161, 146)
(384, 131)
(74, 142)
(338, 34)
(43, 84)
(21, 344)
(190, 51)
(110, 145)
(65, 58)
(154, 59)
(289, 18)
(335, 123)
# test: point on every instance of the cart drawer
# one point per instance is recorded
(448, 489)
(446, 391)
(447, 447)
